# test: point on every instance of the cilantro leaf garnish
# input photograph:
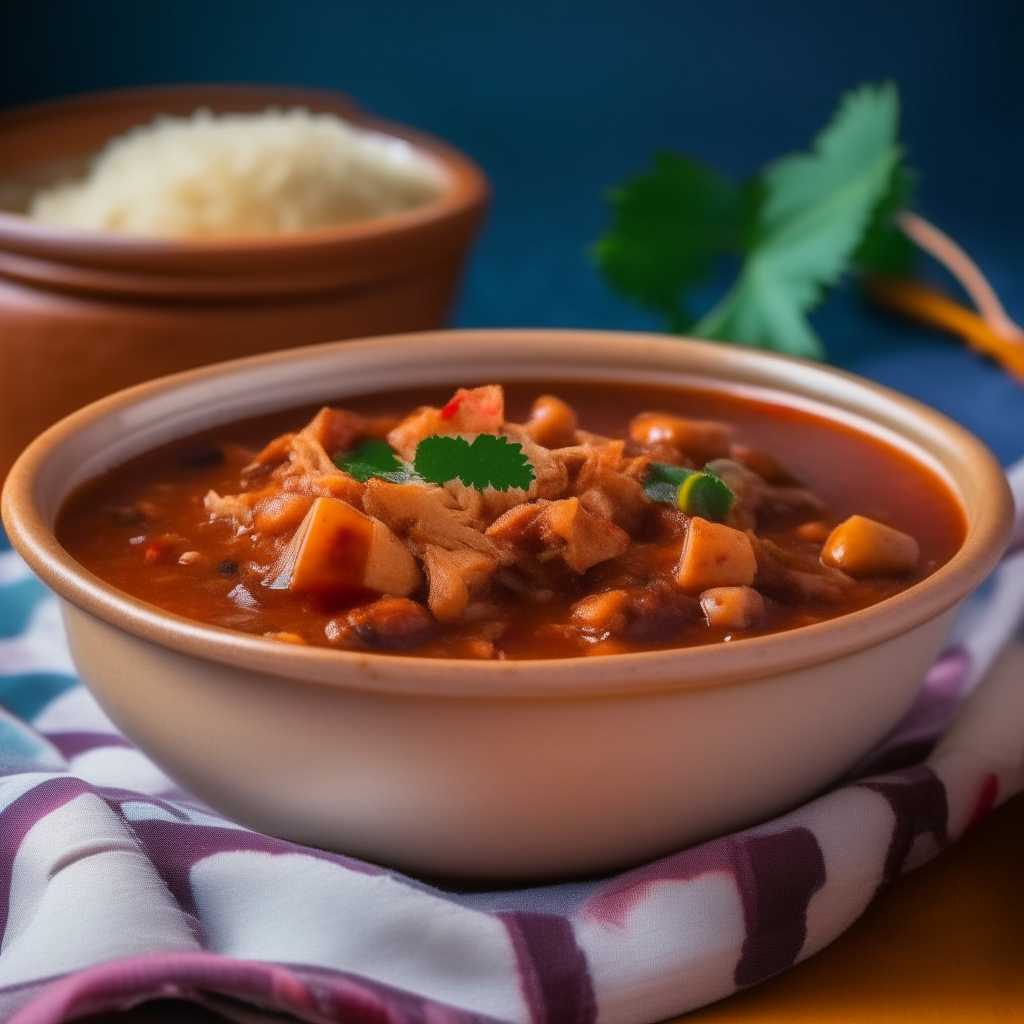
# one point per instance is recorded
(372, 458)
(488, 462)
(798, 226)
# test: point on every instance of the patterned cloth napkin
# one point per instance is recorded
(117, 887)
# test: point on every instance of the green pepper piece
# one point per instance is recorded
(705, 495)
(663, 481)
(699, 494)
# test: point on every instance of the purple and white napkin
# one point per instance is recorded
(116, 887)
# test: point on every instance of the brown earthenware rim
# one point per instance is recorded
(39, 482)
(311, 261)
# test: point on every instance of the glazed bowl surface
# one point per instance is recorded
(503, 769)
(84, 314)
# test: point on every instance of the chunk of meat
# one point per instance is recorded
(598, 503)
(390, 624)
(455, 578)
(755, 498)
(551, 478)
(424, 515)
(732, 607)
(338, 551)
(483, 507)
(470, 411)
(303, 452)
(541, 530)
(604, 466)
(702, 440)
(229, 507)
(335, 430)
(552, 422)
(715, 555)
(658, 613)
(585, 539)
(517, 528)
(325, 485)
(791, 577)
(863, 547)
(299, 463)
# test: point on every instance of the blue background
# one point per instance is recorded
(559, 100)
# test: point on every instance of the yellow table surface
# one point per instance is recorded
(943, 945)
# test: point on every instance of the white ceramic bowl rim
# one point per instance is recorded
(48, 470)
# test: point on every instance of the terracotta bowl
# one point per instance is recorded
(498, 769)
(84, 314)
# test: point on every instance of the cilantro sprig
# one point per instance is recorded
(374, 458)
(489, 461)
(798, 226)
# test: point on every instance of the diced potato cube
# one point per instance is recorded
(862, 547)
(715, 555)
(605, 612)
(732, 607)
(338, 550)
(702, 440)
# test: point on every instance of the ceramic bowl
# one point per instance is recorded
(498, 769)
(84, 314)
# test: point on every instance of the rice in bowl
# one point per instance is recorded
(210, 176)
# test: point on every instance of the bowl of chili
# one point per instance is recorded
(590, 728)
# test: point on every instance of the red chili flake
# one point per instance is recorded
(154, 552)
(451, 409)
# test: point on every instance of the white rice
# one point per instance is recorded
(241, 174)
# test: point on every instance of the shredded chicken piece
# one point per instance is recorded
(476, 411)
(602, 465)
(455, 579)
(299, 463)
(516, 528)
(422, 516)
(228, 507)
(586, 539)
(335, 430)
(551, 477)
(483, 507)
(565, 528)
